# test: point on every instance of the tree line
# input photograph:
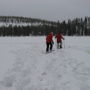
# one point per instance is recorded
(23, 26)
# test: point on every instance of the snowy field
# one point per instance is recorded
(24, 65)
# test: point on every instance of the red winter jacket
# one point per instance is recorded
(59, 37)
(49, 38)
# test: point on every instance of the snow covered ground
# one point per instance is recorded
(24, 65)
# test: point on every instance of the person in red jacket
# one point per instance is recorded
(49, 42)
(59, 38)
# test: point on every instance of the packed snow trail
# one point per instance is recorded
(63, 69)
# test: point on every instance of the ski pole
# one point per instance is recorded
(64, 43)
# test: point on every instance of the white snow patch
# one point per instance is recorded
(24, 65)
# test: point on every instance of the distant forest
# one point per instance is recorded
(23, 26)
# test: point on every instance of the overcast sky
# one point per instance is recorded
(46, 9)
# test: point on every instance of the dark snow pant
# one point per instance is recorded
(49, 47)
(59, 44)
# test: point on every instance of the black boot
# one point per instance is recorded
(60, 46)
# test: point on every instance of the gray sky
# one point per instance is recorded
(46, 9)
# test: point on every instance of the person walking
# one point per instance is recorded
(59, 38)
(49, 42)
